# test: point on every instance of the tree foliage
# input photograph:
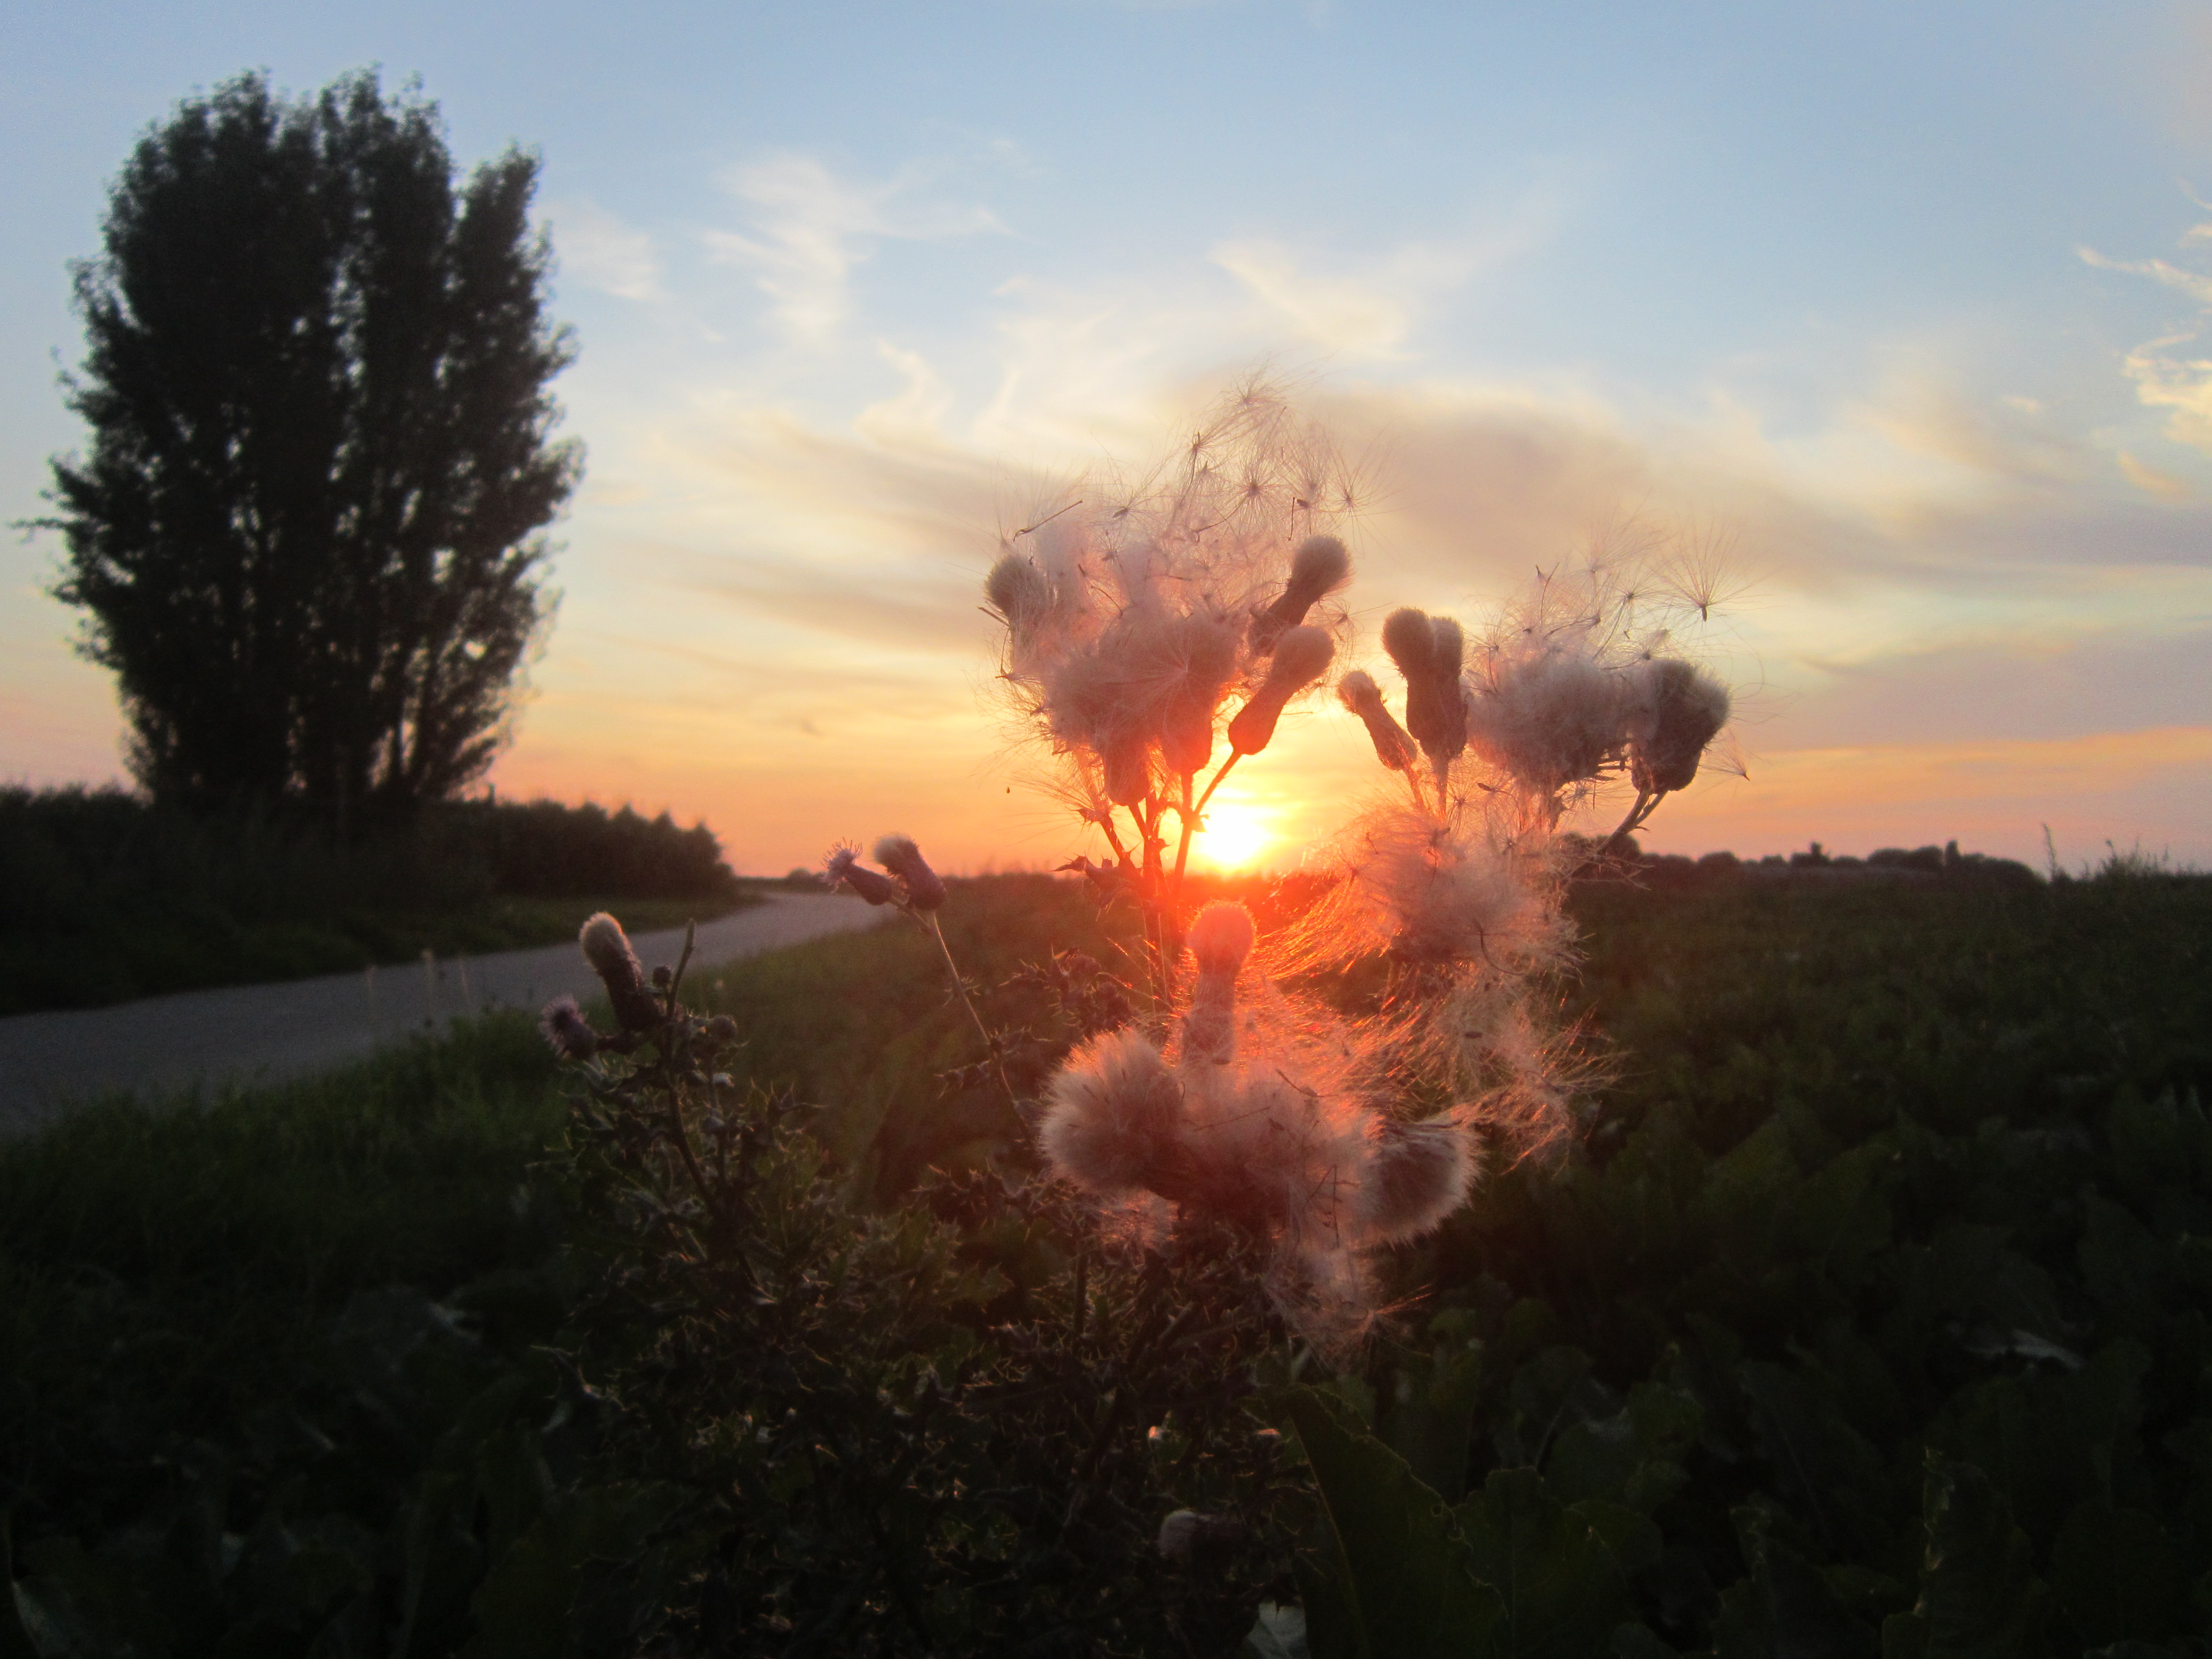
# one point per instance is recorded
(306, 529)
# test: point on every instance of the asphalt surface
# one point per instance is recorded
(163, 1046)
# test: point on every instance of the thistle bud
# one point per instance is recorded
(606, 947)
(1220, 938)
(844, 869)
(1320, 566)
(925, 888)
(566, 1030)
(1301, 656)
(1358, 693)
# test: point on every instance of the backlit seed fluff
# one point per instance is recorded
(925, 888)
(844, 868)
(1114, 1115)
(1358, 693)
(606, 947)
(567, 1031)
(1320, 566)
(1301, 656)
(1417, 1175)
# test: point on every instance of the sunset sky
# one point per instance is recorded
(1900, 305)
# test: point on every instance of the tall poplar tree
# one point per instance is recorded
(306, 529)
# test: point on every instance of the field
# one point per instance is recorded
(1865, 1314)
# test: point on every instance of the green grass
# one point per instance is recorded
(166, 1272)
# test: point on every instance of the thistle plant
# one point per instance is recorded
(1150, 628)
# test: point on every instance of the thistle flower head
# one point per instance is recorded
(925, 888)
(566, 1030)
(844, 869)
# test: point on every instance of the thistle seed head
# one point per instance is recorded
(1684, 709)
(925, 888)
(1320, 566)
(1358, 693)
(1221, 937)
(606, 947)
(1018, 590)
(1114, 1115)
(1301, 656)
(1417, 1175)
(1411, 641)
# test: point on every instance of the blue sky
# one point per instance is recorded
(1900, 303)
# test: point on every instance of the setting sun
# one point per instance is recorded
(1234, 837)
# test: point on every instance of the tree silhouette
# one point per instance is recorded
(305, 533)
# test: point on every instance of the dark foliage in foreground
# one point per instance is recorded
(1869, 1317)
(1865, 1318)
(105, 896)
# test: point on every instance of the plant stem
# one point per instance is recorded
(928, 919)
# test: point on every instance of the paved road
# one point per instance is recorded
(265, 1033)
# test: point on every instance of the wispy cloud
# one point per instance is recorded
(1368, 310)
(600, 251)
(810, 228)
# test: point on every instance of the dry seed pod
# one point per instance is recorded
(925, 888)
(1358, 693)
(1301, 656)
(1320, 566)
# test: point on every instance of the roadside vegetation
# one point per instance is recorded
(110, 896)
(1860, 1312)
